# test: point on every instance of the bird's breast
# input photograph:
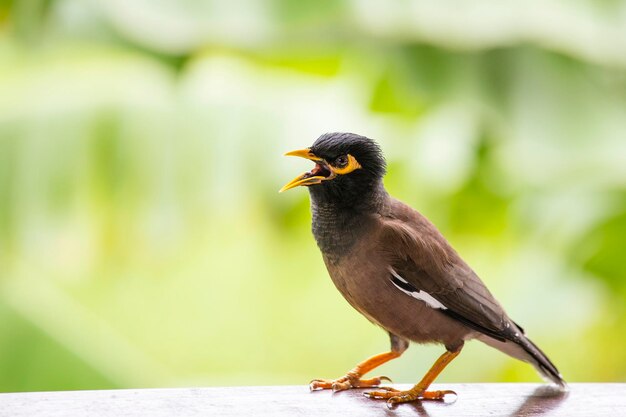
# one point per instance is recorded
(364, 278)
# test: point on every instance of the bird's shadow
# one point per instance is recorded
(543, 399)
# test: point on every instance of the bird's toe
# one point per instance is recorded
(395, 397)
(346, 382)
(382, 393)
(318, 384)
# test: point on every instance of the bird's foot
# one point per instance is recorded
(394, 396)
(348, 381)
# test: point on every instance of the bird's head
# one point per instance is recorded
(347, 165)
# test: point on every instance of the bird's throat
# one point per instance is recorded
(337, 226)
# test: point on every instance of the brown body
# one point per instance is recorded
(362, 277)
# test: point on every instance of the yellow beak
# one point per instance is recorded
(305, 178)
(304, 153)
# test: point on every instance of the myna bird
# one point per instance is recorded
(395, 268)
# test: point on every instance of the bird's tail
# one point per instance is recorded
(524, 349)
(541, 362)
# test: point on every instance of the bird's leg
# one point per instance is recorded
(418, 392)
(352, 379)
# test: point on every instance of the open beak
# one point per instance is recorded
(319, 173)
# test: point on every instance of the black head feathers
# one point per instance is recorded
(356, 188)
(365, 150)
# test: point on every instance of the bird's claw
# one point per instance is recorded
(334, 384)
(394, 396)
(381, 393)
(346, 382)
(341, 386)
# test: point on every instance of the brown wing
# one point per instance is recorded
(425, 261)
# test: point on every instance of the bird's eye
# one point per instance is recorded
(341, 161)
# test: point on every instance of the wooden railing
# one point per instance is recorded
(493, 400)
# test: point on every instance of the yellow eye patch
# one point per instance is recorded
(352, 165)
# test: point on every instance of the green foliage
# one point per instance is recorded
(602, 252)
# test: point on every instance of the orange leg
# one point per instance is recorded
(418, 392)
(352, 379)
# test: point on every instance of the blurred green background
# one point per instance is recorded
(142, 239)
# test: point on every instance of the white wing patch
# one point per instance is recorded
(404, 286)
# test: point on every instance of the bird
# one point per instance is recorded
(396, 268)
